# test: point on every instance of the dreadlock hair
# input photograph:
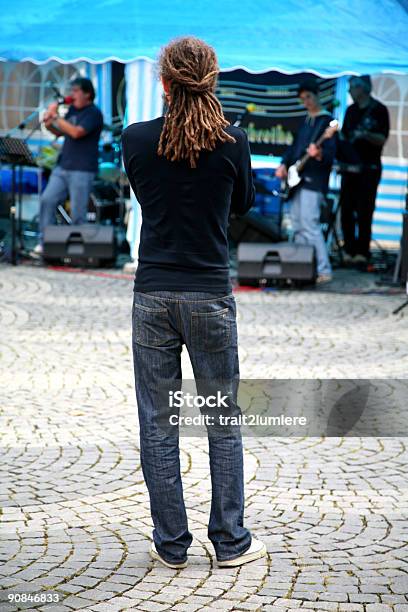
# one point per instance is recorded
(194, 121)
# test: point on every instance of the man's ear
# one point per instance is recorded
(166, 85)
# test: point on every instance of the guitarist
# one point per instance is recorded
(365, 130)
(306, 199)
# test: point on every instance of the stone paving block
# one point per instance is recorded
(393, 599)
(288, 603)
(339, 597)
(374, 588)
(274, 608)
(222, 604)
(400, 585)
(321, 605)
(71, 588)
(275, 592)
(184, 607)
(84, 581)
(77, 603)
(365, 598)
(244, 606)
(153, 606)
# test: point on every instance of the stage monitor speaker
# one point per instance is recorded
(253, 227)
(260, 263)
(88, 244)
(6, 202)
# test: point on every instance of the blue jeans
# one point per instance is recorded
(63, 183)
(206, 323)
(305, 215)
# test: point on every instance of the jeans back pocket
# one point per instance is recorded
(212, 331)
(151, 326)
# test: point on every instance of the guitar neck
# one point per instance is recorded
(301, 163)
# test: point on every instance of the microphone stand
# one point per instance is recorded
(21, 126)
(17, 232)
(241, 117)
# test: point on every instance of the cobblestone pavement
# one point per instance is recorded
(75, 519)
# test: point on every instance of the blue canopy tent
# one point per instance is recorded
(326, 37)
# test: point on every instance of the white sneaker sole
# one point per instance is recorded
(245, 558)
(155, 555)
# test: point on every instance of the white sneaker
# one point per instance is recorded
(155, 555)
(360, 259)
(324, 278)
(130, 267)
(255, 551)
(37, 251)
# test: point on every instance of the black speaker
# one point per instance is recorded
(253, 227)
(87, 244)
(259, 263)
(6, 202)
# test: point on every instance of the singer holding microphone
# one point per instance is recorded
(78, 161)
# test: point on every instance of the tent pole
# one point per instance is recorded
(144, 102)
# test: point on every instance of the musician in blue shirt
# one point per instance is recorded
(78, 162)
(307, 197)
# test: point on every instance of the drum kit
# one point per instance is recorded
(111, 186)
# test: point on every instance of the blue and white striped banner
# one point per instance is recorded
(390, 203)
(144, 95)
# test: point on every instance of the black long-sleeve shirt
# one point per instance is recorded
(316, 173)
(373, 118)
(185, 211)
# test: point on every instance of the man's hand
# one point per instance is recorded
(50, 116)
(358, 135)
(51, 113)
(314, 151)
(375, 138)
(53, 108)
(281, 172)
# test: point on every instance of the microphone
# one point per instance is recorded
(65, 100)
(60, 98)
(54, 87)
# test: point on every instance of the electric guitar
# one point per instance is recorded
(294, 172)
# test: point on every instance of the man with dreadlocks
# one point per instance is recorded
(188, 170)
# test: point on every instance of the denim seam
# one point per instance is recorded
(180, 322)
(169, 299)
(209, 314)
(151, 346)
(158, 311)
